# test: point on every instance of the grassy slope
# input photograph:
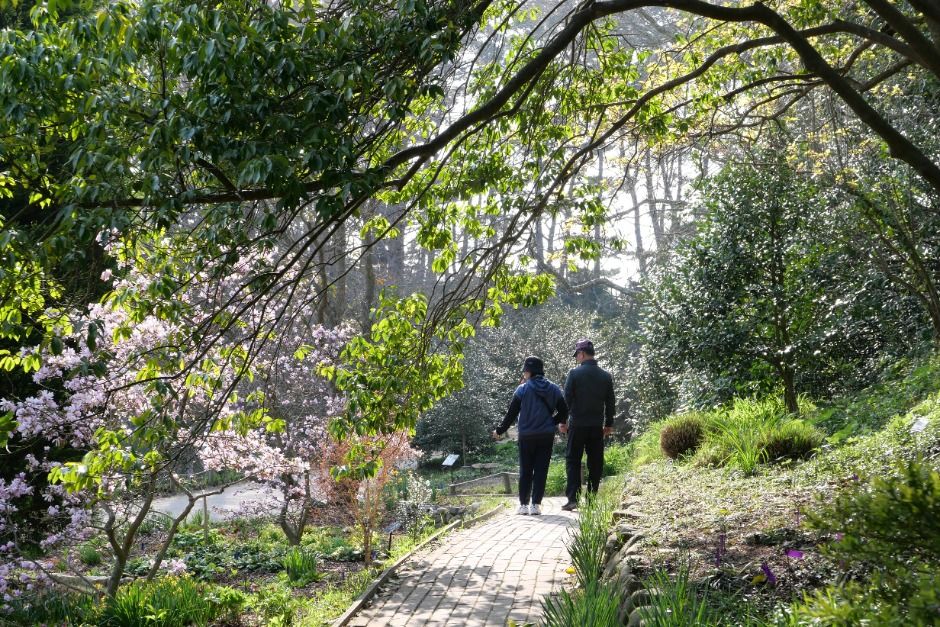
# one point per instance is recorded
(685, 509)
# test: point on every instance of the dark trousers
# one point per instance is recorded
(581, 440)
(534, 457)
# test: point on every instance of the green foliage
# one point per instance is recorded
(901, 385)
(890, 520)
(776, 292)
(324, 540)
(53, 608)
(675, 601)
(681, 435)
(617, 459)
(154, 522)
(195, 520)
(742, 435)
(412, 506)
(886, 528)
(301, 566)
(167, 602)
(331, 601)
(878, 453)
(597, 605)
(790, 440)
(646, 448)
(392, 377)
(227, 603)
(594, 602)
(557, 478)
(203, 558)
(195, 536)
(89, 555)
(909, 597)
(255, 556)
(276, 605)
(748, 433)
(586, 547)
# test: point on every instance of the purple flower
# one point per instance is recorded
(838, 535)
(771, 578)
(797, 555)
(720, 551)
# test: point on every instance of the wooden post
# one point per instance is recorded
(507, 485)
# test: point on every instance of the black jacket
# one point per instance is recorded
(589, 393)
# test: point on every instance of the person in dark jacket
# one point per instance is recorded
(540, 406)
(589, 394)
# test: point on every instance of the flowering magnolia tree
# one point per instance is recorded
(288, 459)
(252, 402)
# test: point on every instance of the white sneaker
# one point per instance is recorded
(535, 509)
(524, 510)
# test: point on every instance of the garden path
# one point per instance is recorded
(483, 575)
(229, 504)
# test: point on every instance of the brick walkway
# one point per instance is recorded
(485, 575)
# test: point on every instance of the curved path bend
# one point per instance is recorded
(483, 575)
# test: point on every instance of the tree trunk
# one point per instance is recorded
(293, 538)
(597, 227)
(638, 230)
(789, 389)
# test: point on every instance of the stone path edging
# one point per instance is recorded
(369, 592)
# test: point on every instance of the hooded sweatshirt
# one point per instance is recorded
(539, 405)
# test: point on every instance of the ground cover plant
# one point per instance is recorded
(844, 537)
(245, 571)
(747, 433)
(593, 601)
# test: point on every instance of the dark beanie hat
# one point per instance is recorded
(533, 365)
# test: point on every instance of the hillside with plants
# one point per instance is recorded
(302, 248)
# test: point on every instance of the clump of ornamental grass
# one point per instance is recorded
(790, 439)
(167, 602)
(593, 602)
(89, 555)
(682, 435)
(674, 601)
(301, 566)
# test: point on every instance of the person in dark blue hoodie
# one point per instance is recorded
(540, 406)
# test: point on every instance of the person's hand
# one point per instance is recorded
(495, 435)
(563, 428)
(608, 431)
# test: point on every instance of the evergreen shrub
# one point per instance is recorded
(891, 518)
